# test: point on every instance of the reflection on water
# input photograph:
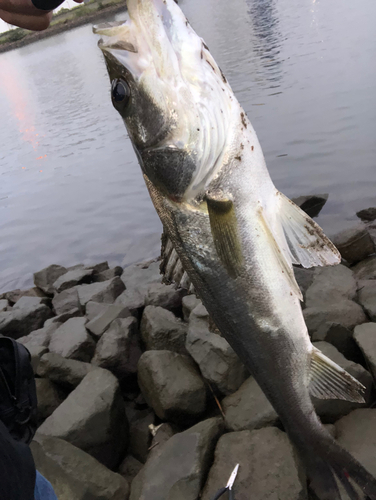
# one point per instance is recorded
(70, 187)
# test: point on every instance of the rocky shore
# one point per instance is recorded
(141, 398)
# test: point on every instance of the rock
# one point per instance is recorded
(161, 433)
(73, 278)
(161, 330)
(62, 318)
(369, 214)
(45, 278)
(99, 324)
(367, 297)
(92, 418)
(139, 276)
(4, 304)
(341, 338)
(248, 408)
(199, 312)
(49, 398)
(129, 468)
(119, 348)
(178, 468)
(94, 309)
(218, 363)
(365, 337)
(331, 410)
(132, 300)
(99, 268)
(36, 353)
(189, 302)
(66, 372)
(304, 278)
(108, 274)
(331, 284)
(166, 296)
(15, 295)
(355, 243)
(366, 270)
(73, 341)
(345, 313)
(39, 337)
(106, 291)
(66, 301)
(140, 436)
(74, 474)
(24, 318)
(26, 302)
(311, 204)
(171, 385)
(269, 468)
(357, 434)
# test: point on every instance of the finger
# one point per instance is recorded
(23, 7)
(38, 22)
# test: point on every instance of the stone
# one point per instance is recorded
(99, 324)
(108, 274)
(39, 337)
(119, 350)
(166, 296)
(355, 243)
(368, 214)
(248, 408)
(356, 432)
(129, 468)
(311, 204)
(4, 304)
(36, 354)
(73, 278)
(45, 278)
(140, 436)
(330, 410)
(133, 300)
(345, 313)
(66, 372)
(106, 291)
(218, 363)
(99, 268)
(172, 386)
(94, 309)
(189, 302)
(331, 284)
(49, 398)
(24, 319)
(341, 338)
(178, 468)
(199, 312)
(161, 330)
(365, 337)
(15, 295)
(66, 301)
(92, 418)
(304, 278)
(161, 433)
(367, 297)
(269, 467)
(366, 270)
(26, 302)
(62, 318)
(74, 474)
(139, 276)
(73, 341)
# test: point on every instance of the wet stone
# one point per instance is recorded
(369, 214)
(311, 204)
(355, 243)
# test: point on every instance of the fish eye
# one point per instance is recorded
(120, 93)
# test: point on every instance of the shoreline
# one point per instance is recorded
(60, 28)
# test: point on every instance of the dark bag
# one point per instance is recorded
(18, 398)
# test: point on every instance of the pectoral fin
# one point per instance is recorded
(224, 228)
(330, 381)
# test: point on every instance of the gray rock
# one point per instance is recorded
(345, 313)
(4, 304)
(199, 312)
(39, 337)
(73, 341)
(189, 302)
(15, 295)
(248, 408)
(140, 436)
(74, 474)
(357, 434)
(36, 353)
(62, 318)
(94, 309)
(365, 337)
(161, 330)
(331, 284)
(73, 278)
(132, 300)
(330, 410)
(99, 324)
(92, 418)
(26, 302)
(49, 398)
(108, 274)
(311, 204)
(304, 278)
(218, 363)
(366, 270)
(24, 319)
(45, 278)
(161, 434)
(166, 296)
(106, 291)
(177, 469)
(119, 348)
(129, 468)
(269, 468)
(139, 276)
(99, 268)
(66, 372)
(66, 301)
(368, 214)
(355, 243)
(171, 385)
(367, 297)
(340, 337)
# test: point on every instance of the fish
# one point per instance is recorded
(228, 231)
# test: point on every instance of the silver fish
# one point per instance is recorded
(227, 228)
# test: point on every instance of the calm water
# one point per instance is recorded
(70, 187)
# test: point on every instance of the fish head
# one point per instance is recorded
(171, 94)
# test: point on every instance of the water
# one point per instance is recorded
(70, 187)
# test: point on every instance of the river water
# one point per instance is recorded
(70, 187)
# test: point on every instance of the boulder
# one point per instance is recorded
(311, 204)
(24, 318)
(367, 297)
(49, 398)
(73, 278)
(161, 433)
(74, 474)
(304, 278)
(365, 337)
(92, 418)
(368, 214)
(119, 348)
(172, 386)
(73, 341)
(166, 296)
(106, 291)
(269, 467)
(99, 324)
(139, 276)
(199, 312)
(355, 243)
(248, 408)
(39, 337)
(140, 435)
(189, 302)
(366, 270)
(108, 274)
(330, 410)
(178, 467)
(99, 268)
(133, 300)
(341, 338)
(94, 309)
(161, 330)
(45, 278)
(218, 363)
(66, 301)
(66, 372)
(4, 304)
(15, 295)
(36, 353)
(331, 284)
(129, 468)
(62, 318)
